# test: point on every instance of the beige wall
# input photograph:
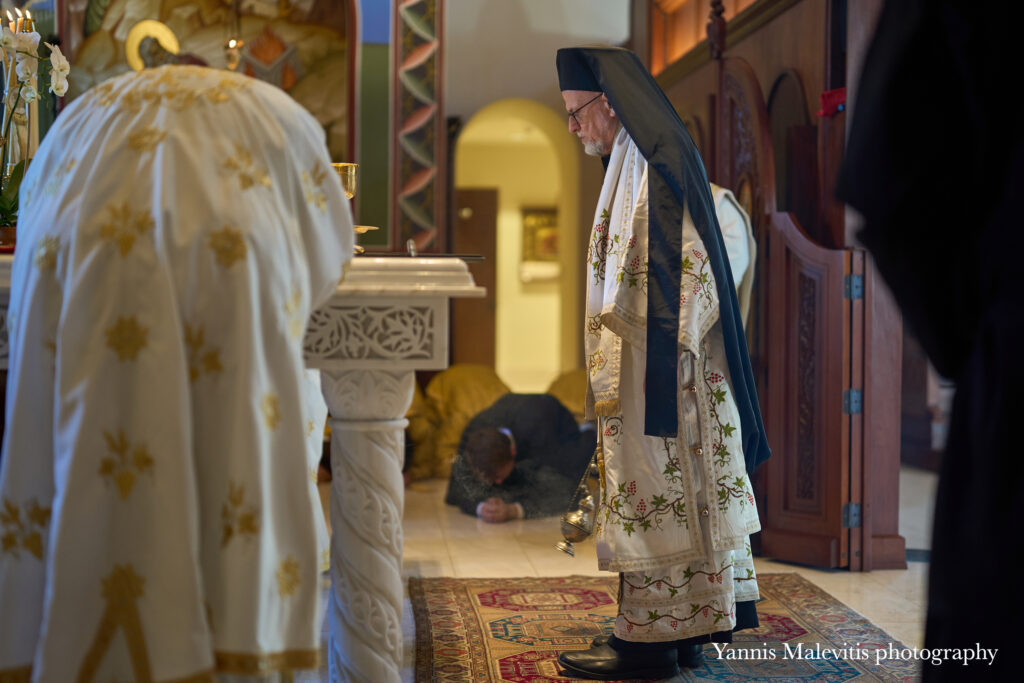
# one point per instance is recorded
(528, 333)
(523, 149)
(497, 49)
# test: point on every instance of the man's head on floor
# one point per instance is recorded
(491, 454)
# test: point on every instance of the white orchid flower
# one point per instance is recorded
(28, 93)
(27, 67)
(7, 42)
(58, 83)
(27, 42)
(58, 61)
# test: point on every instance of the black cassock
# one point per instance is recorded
(551, 454)
(935, 164)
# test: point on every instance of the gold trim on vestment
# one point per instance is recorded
(24, 675)
(246, 664)
(607, 408)
(207, 676)
(121, 589)
(20, 675)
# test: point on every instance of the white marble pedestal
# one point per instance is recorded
(388, 318)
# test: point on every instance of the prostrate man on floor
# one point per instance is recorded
(522, 457)
(669, 381)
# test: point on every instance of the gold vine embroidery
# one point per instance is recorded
(296, 322)
(127, 337)
(238, 518)
(146, 139)
(249, 174)
(46, 253)
(228, 246)
(23, 532)
(201, 359)
(126, 463)
(123, 227)
(271, 411)
(57, 177)
(311, 182)
(287, 576)
(162, 87)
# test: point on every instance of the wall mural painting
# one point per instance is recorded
(300, 46)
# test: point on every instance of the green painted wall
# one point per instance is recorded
(374, 147)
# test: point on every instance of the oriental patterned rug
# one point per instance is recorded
(513, 629)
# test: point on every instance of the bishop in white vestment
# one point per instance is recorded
(158, 509)
(669, 378)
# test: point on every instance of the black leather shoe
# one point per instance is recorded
(690, 656)
(687, 656)
(604, 663)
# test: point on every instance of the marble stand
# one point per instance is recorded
(388, 318)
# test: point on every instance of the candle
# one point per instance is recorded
(10, 21)
(17, 10)
(30, 23)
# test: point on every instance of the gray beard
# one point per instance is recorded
(594, 148)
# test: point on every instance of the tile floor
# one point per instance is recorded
(441, 541)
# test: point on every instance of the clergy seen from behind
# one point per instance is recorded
(669, 381)
(159, 520)
(521, 457)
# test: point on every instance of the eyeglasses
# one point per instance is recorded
(578, 109)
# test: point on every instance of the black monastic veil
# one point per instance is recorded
(677, 184)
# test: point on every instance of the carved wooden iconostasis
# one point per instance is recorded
(821, 334)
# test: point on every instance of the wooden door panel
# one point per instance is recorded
(806, 482)
(474, 231)
(802, 351)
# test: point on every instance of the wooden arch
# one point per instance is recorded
(744, 161)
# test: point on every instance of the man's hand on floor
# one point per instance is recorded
(495, 510)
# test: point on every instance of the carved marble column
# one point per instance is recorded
(367, 408)
(388, 318)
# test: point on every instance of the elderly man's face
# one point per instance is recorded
(592, 120)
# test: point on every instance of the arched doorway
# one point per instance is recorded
(521, 150)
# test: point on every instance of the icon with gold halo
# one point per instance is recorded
(161, 40)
